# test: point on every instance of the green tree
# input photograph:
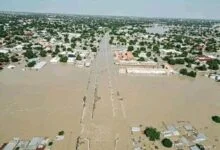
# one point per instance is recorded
(183, 71)
(78, 57)
(216, 119)
(43, 53)
(94, 49)
(213, 64)
(143, 49)
(148, 54)
(63, 59)
(61, 133)
(167, 143)
(141, 59)
(14, 59)
(152, 133)
(130, 48)
(30, 54)
(31, 64)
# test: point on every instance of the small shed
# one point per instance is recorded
(200, 138)
(135, 129)
(194, 148)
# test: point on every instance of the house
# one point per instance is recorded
(171, 131)
(135, 129)
(194, 148)
(35, 143)
(200, 138)
(11, 145)
(164, 52)
(40, 65)
(22, 144)
(123, 55)
(55, 60)
(204, 58)
(4, 51)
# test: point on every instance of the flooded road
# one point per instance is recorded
(103, 121)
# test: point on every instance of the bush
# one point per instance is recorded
(63, 59)
(43, 53)
(143, 49)
(61, 133)
(192, 74)
(141, 59)
(213, 64)
(130, 48)
(148, 54)
(50, 143)
(30, 54)
(78, 57)
(167, 143)
(31, 64)
(201, 68)
(94, 49)
(152, 134)
(183, 71)
(171, 61)
(216, 119)
(14, 59)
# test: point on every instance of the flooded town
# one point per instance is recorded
(108, 83)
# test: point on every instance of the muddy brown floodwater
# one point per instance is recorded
(96, 106)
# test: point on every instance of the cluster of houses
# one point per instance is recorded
(183, 136)
(36, 143)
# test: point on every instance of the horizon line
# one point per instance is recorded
(95, 15)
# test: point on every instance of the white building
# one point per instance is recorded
(4, 51)
(171, 131)
(40, 65)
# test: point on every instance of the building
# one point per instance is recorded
(171, 131)
(4, 51)
(11, 145)
(40, 65)
(200, 137)
(164, 52)
(35, 143)
(194, 148)
(204, 58)
(121, 55)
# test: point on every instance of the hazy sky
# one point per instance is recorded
(146, 8)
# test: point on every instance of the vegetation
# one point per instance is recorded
(184, 71)
(78, 57)
(216, 119)
(141, 59)
(50, 143)
(63, 59)
(43, 53)
(94, 49)
(167, 143)
(30, 54)
(31, 64)
(4, 58)
(213, 64)
(130, 48)
(61, 133)
(14, 59)
(152, 133)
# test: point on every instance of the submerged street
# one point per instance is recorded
(103, 120)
